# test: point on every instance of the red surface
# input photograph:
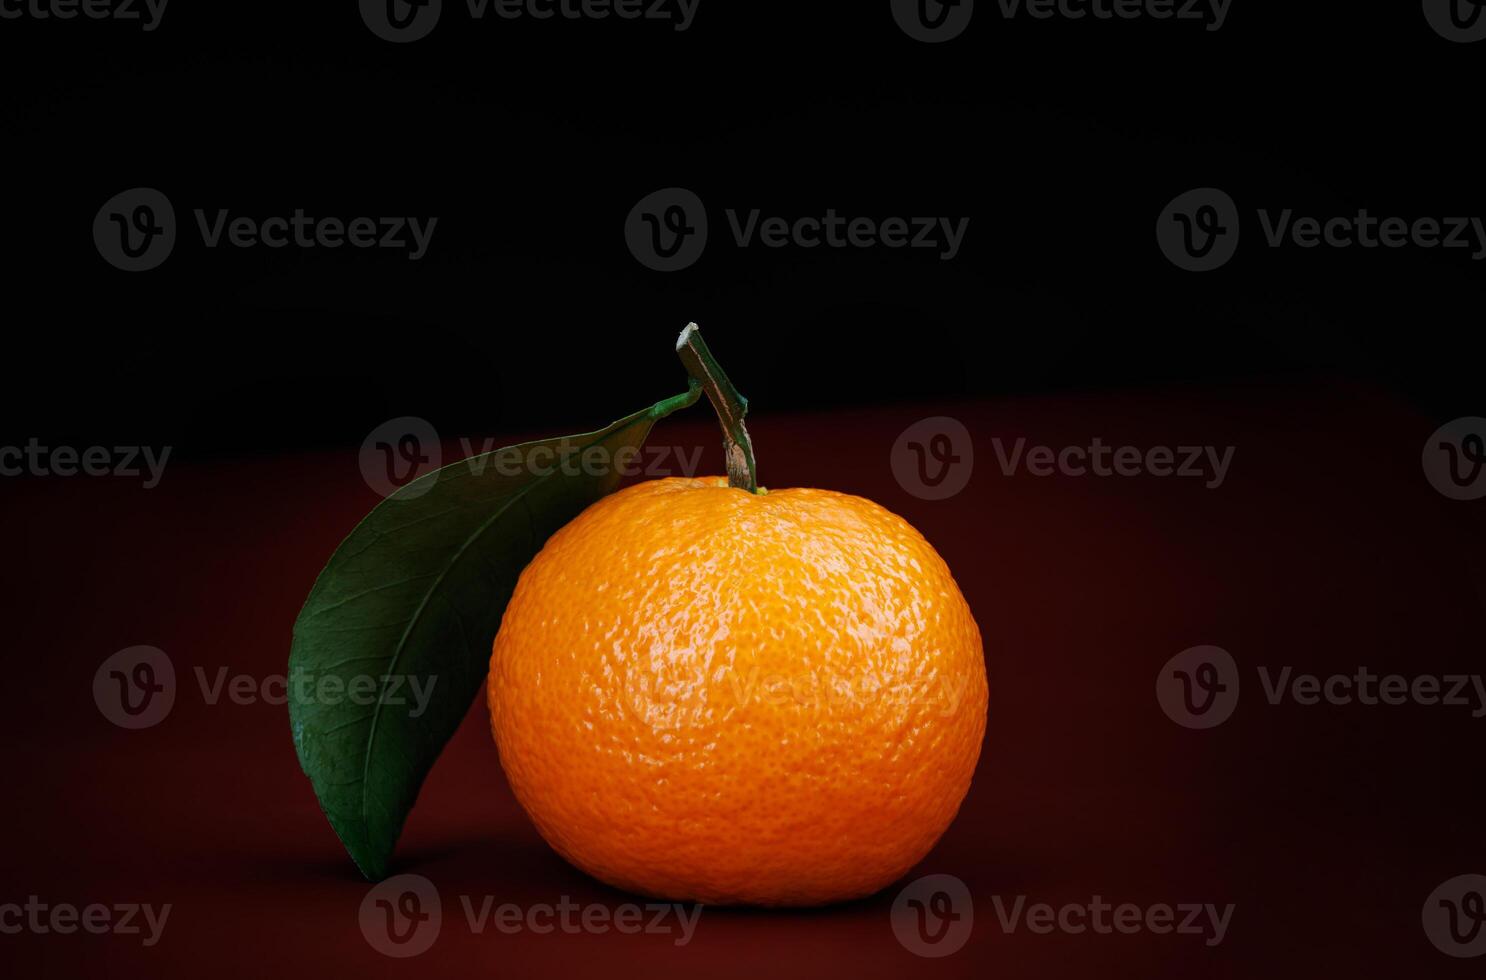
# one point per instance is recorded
(1327, 826)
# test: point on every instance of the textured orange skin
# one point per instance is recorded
(703, 694)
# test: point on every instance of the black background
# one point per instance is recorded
(531, 140)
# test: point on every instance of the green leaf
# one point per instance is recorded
(394, 640)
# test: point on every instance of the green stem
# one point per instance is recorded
(730, 407)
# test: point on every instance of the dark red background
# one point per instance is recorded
(1328, 826)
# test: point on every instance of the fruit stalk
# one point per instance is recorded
(730, 406)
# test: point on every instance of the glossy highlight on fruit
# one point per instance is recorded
(704, 694)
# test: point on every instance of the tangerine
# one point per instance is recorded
(700, 693)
